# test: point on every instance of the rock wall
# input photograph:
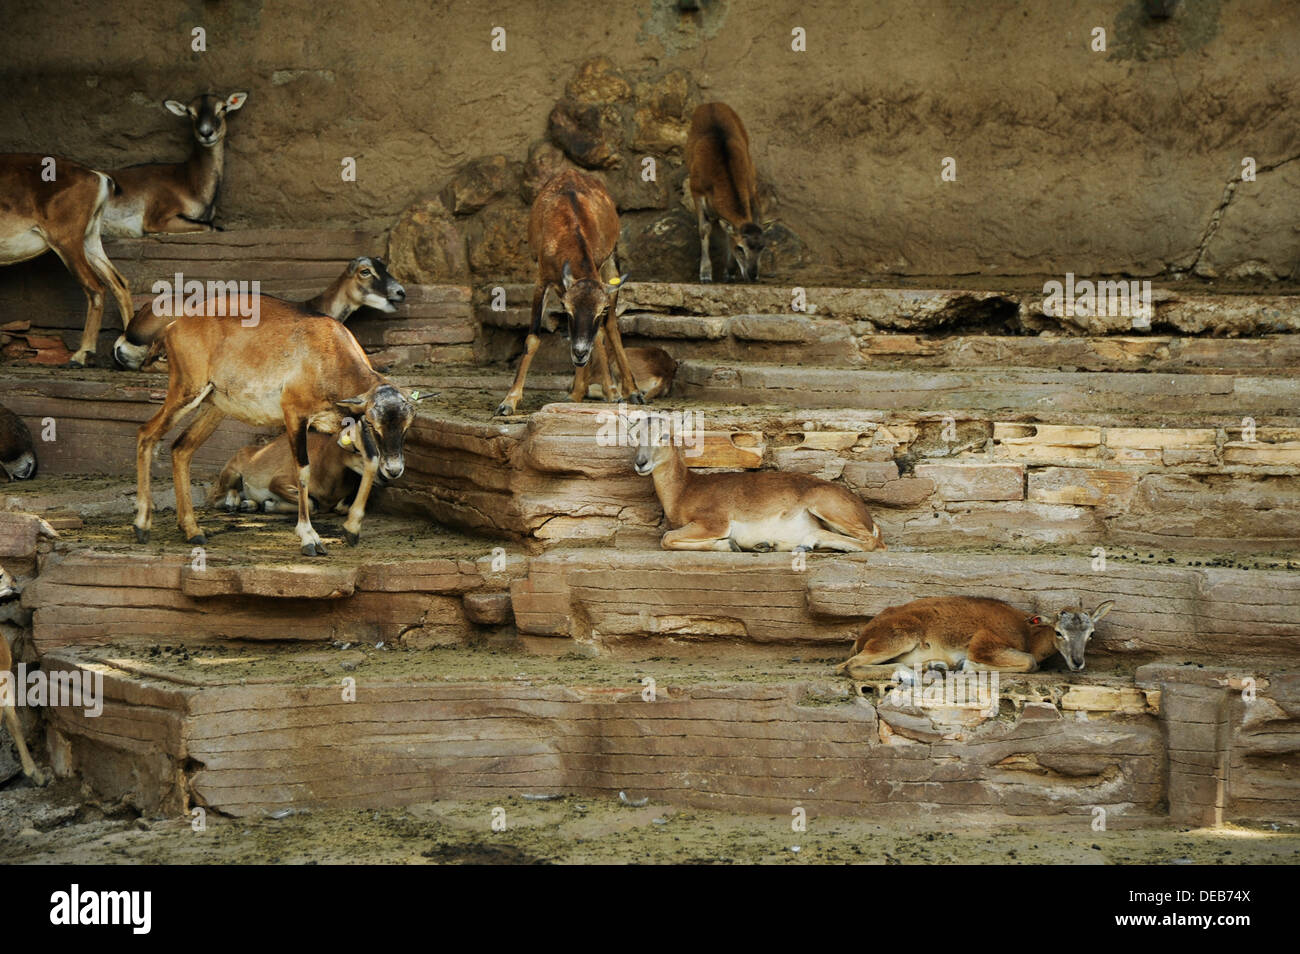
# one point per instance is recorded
(1127, 160)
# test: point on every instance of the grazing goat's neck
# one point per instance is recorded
(333, 301)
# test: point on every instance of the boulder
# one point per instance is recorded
(598, 81)
(592, 135)
(497, 242)
(478, 183)
(426, 246)
(663, 113)
(545, 161)
(664, 248)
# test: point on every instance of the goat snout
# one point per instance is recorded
(392, 470)
(581, 354)
(396, 292)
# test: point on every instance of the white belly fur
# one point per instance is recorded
(21, 246)
(786, 531)
(953, 656)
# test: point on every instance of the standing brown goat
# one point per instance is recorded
(724, 187)
(573, 231)
(292, 367)
(55, 204)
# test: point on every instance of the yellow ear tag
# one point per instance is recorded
(346, 439)
(616, 281)
(415, 395)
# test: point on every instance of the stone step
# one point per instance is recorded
(766, 312)
(959, 479)
(1004, 390)
(432, 326)
(835, 348)
(42, 290)
(930, 480)
(412, 584)
(249, 730)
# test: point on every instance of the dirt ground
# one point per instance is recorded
(55, 826)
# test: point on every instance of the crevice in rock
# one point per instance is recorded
(1229, 191)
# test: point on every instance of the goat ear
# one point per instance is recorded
(235, 100)
(566, 275)
(1102, 610)
(176, 108)
(358, 401)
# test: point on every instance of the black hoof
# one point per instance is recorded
(313, 550)
(764, 547)
(141, 536)
(735, 547)
(198, 539)
(636, 397)
(503, 410)
(352, 538)
(230, 508)
(706, 281)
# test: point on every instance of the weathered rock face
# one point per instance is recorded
(589, 133)
(497, 242)
(669, 244)
(478, 183)
(628, 131)
(426, 246)
(545, 161)
(1132, 145)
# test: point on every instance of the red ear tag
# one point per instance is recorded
(1034, 621)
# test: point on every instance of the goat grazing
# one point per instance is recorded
(724, 187)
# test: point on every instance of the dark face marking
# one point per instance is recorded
(375, 280)
(584, 300)
(208, 115)
(388, 416)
